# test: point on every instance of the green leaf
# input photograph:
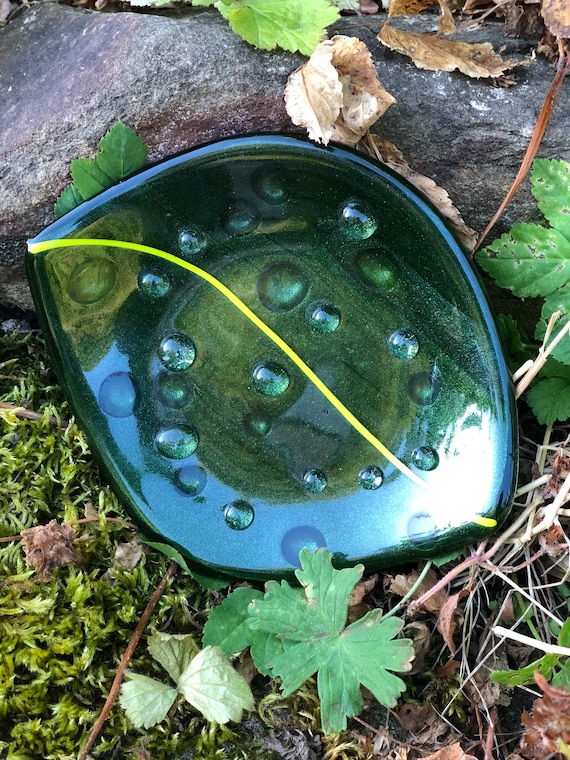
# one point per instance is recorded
(88, 178)
(525, 676)
(557, 301)
(145, 700)
(295, 25)
(551, 187)
(212, 686)
(228, 624)
(562, 678)
(564, 635)
(121, 152)
(68, 200)
(173, 651)
(213, 582)
(203, 3)
(530, 260)
(317, 641)
(549, 396)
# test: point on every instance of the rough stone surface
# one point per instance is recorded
(66, 76)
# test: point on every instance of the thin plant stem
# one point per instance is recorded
(127, 656)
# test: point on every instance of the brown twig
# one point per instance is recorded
(127, 656)
(28, 414)
(563, 67)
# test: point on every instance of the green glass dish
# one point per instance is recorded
(272, 344)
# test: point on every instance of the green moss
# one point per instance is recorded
(62, 639)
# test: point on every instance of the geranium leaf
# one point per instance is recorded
(228, 624)
(530, 260)
(173, 652)
(317, 641)
(213, 687)
(145, 700)
(295, 25)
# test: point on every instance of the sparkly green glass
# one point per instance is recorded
(272, 345)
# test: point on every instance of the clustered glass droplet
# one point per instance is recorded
(357, 220)
(238, 514)
(314, 481)
(118, 395)
(153, 284)
(370, 477)
(177, 442)
(323, 316)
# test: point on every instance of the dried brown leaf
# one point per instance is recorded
(438, 54)
(429, 730)
(420, 635)
(364, 100)
(453, 752)
(361, 589)
(556, 15)
(390, 155)
(49, 546)
(450, 617)
(409, 7)
(401, 585)
(336, 94)
(313, 94)
(128, 555)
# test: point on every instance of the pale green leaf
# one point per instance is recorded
(203, 3)
(557, 301)
(530, 260)
(145, 700)
(549, 395)
(68, 200)
(213, 687)
(317, 641)
(121, 152)
(564, 635)
(295, 25)
(562, 678)
(228, 624)
(88, 177)
(173, 652)
(525, 676)
(551, 188)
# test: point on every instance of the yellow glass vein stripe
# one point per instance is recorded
(271, 334)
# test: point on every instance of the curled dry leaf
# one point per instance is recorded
(336, 94)
(49, 546)
(437, 54)
(401, 585)
(313, 94)
(446, 24)
(452, 752)
(556, 15)
(450, 616)
(390, 155)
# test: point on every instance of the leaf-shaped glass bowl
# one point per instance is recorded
(272, 345)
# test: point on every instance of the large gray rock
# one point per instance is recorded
(66, 76)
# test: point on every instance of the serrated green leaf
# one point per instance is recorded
(557, 301)
(444, 558)
(88, 177)
(551, 187)
(145, 700)
(264, 648)
(295, 25)
(525, 676)
(530, 260)
(549, 395)
(228, 624)
(68, 200)
(173, 651)
(317, 641)
(121, 152)
(213, 687)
